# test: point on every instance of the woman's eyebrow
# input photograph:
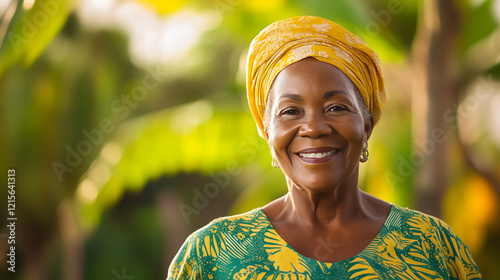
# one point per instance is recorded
(291, 96)
(326, 95)
(329, 94)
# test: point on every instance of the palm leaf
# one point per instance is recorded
(198, 137)
(29, 33)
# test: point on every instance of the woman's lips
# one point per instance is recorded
(317, 155)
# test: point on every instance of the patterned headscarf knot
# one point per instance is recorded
(285, 42)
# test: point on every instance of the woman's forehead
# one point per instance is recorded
(311, 75)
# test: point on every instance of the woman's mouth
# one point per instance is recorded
(317, 155)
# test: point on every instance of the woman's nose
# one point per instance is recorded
(315, 126)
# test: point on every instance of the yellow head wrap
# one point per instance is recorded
(285, 42)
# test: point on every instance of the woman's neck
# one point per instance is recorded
(341, 204)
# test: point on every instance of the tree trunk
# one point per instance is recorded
(432, 91)
(73, 242)
(35, 242)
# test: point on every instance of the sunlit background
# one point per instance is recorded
(128, 127)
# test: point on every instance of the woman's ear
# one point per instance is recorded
(369, 124)
(266, 136)
(266, 133)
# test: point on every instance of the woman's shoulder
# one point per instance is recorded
(416, 217)
(234, 224)
(224, 234)
(221, 234)
(414, 223)
(412, 229)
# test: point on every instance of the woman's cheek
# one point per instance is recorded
(282, 130)
(280, 136)
(352, 128)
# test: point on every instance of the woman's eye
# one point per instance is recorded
(290, 111)
(336, 108)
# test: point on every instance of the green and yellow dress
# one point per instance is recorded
(410, 245)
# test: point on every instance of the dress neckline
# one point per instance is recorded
(373, 244)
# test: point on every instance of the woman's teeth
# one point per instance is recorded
(316, 155)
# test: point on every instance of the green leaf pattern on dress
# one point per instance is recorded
(410, 245)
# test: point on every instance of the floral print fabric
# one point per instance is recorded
(410, 245)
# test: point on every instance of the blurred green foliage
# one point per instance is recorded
(145, 154)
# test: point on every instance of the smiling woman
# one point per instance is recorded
(316, 92)
(316, 130)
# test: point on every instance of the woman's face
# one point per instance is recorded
(316, 128)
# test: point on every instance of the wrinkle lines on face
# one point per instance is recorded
(315, 110)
